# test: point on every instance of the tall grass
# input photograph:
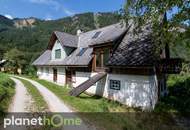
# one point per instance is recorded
(6, 92)
(178, 99)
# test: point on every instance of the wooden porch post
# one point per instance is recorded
(102, 58)
(94, 62)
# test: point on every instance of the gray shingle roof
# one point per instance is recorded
(107, 34)
(74, 59)
(43, 59)
(67, 39)
(136, 49)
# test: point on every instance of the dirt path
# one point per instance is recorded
(57, 105)
(54, 103)
(21, 100)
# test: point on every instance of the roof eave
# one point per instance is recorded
(63, 65)
(130, 66)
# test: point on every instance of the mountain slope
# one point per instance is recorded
(33, 40)
(31, 37)
(5, 23)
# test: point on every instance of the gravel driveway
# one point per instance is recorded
(54, 103)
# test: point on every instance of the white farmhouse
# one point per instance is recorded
(113, 62)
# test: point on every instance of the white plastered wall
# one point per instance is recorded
(41, 72)
(135, 91)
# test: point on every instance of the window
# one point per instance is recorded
(58, 54)
(96, 34)
(41, 69)
(115, 84)
(82, 51)
(106, 56)
(47, 71)
(98, 60)
(102, 57)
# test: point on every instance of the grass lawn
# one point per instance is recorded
(110, 115)
(84, 103)
(39, 103)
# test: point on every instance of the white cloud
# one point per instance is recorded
(48, 17)
(55, 4)
(8, 16)
(68, 12)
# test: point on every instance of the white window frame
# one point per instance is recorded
(115, 84)
(56, 54)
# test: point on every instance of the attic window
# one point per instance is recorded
(58, 54)
(96, 34)
(82, 50)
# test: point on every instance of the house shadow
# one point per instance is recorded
(91, 97)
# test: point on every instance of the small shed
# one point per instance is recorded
(2, 63)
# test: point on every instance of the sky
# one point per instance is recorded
(55, 9)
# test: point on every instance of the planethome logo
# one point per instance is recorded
(55, 121)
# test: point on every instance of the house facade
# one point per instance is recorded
(112, 62)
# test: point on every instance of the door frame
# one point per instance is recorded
(70, 73)
(55, 74)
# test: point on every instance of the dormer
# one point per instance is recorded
(58, 52)
(62, 45)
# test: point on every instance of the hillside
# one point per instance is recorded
(5, 23)
(31, 35)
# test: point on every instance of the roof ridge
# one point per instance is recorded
(101, 28)
(66, 33)
(90, 30)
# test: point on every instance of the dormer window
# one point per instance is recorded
(58, 54)
(96, 35)
(82, 51)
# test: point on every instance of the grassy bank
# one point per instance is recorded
(101, 112)
(6, 92)
(84, 103)
(39, 103)
(178, 99)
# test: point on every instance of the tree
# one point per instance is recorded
(166, 16)
(15, 59)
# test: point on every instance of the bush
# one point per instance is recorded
(179, 92)
(30, 71)
(6, 92)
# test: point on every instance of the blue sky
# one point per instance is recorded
(54, 9)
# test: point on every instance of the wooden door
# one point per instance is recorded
(55, 75)
(68, 77)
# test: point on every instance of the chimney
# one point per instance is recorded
(79, 32)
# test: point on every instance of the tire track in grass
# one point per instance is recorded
(39, 104)
(21, 100)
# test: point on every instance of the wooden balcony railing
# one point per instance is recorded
(170, 66)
